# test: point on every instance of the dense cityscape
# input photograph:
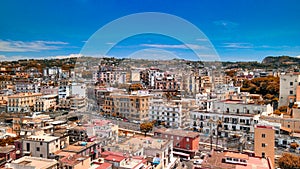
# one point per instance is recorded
(133, 113)
(150, 84)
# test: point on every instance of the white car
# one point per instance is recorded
(198, 162)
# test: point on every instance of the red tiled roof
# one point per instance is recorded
(104, 166)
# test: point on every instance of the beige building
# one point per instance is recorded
(264, 142)
(130, 106)
(28, 162)
(287, 123)
(45, 103)
(41, 146)
(22, 102)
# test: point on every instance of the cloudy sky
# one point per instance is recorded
(238, 30)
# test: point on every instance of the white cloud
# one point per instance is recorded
(34, 46)
(65, 56)
(183, 46)
(238, 45)
(18, 57)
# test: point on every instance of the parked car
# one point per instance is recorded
(198, 162)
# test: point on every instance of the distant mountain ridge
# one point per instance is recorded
(287, 60)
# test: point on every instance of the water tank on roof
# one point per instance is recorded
(83, 143)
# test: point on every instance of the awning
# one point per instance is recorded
(181, 154)
(286, 129)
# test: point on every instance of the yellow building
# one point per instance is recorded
(22, 102)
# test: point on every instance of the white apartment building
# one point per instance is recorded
(239, 107)
(26, 87)
(174, 113)
(288, 88)
(230, 124)
(41, 145)
(103, 129)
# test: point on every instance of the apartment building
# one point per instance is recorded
(30, 125)
(78, 89)
(108, 75)
(190, 82)
(228, 124)
(287, 123)
(101, 93)
(77, 103)
(264, 142)
(241, 107)
(185, 143)
(41, 146)
(45, 103)
(174, 113)
(133, 106)
(103, 129)
(26, 87)
(288, 87)
(22, 102)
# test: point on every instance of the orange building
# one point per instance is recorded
(264, 142)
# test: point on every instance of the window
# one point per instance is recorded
(41, 143)
(28, 146)
(291, 91)
(263, 135)
(263, 145)
(41, 155)
(291, 83)
(263, 154)
(187, 139)
(177, 138)
(288, 126)
(37, 149)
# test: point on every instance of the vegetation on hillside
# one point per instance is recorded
(268, 87)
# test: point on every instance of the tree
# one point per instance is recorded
(289, 161)
(283, 109)
(146, 127)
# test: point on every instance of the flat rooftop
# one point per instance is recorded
(77, 147)
(177, 132)
(43, 138)
(215, 161)
(137, 141)
(37, 162)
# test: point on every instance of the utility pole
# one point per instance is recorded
(210, 135)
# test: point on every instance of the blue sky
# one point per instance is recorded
(239, 30)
